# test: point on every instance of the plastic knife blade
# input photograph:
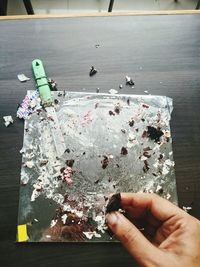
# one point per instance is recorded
(47, 101)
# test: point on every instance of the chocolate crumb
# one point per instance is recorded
(123, 131)
(39, 189)
(160, 157)
(59, 177)
(59, 94)
(124, 151)
(56, 101)
(52, 85)
(143, 119)
(62, 169)
(104, 162)
(160, 191)
(128, 102)
(146, 154)
(154, 134)
(109, 179)
(144, 134)
(129, 81)
(111, 113)
(93, 71)
(137, 130)
(146, 166)
(69, 163)
(117, 109)
(39, 111)
(145, 106)
(147, 148)
(97, 181)
(67, 150)
(43, 163)
(114, 203)
(84, 153)
(50, 118)
(117, 165)
(131, 123)
(96, 105)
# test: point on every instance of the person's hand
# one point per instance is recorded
(171, 237)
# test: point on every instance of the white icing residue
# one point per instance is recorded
(53, 223)
(29, 164)
(64, 218)
(35, 194)
(90, 235)
(8, 120)
(113, 91)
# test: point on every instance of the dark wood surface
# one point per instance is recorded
(161, 53)
(3, 7)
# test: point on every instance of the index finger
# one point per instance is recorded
(159, 207)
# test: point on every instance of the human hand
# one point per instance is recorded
(171, 236)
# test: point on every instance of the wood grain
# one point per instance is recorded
(101, 14)
(161, 53)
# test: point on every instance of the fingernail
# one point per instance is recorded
(111, 218)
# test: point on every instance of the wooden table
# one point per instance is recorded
(160, 52)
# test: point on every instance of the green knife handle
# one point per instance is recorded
(42, 82)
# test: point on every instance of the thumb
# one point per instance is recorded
(133, 240)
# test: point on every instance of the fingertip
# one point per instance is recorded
(111, 219)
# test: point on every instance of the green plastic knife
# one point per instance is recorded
(48, 103)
